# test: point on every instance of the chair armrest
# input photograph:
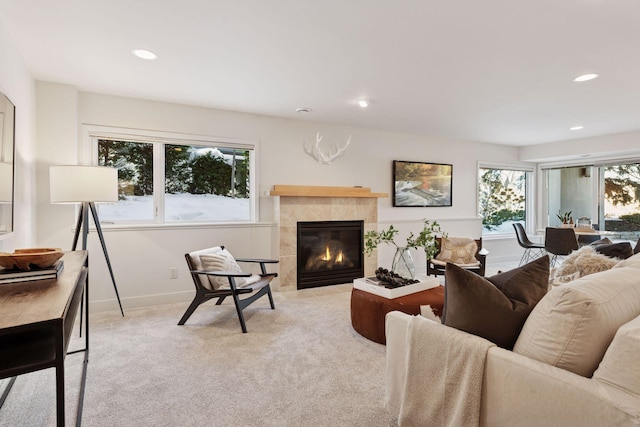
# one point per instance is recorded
(262, 262)
(222, 273)
(266, 261)
(484, 252)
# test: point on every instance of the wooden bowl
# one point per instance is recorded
(26, 259)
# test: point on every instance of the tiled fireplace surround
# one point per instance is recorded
(291, 208)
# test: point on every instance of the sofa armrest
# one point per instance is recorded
(519, 391)
(429, 358)
(396, 326)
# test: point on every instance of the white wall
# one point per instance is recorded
(141, 258)
(16, 82)
(584, 149)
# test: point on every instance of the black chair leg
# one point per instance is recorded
(273, 307)
(199, 299)
(236, 300)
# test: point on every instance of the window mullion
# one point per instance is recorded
(158, 182)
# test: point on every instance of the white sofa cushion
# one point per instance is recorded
(633, 262)
(572, 326)
(620, 366)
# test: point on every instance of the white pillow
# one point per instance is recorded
(221, 261)
(632, 261)
(572, 326)
(620, 366)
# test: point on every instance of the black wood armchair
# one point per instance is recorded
(216, 274)
(436, 265)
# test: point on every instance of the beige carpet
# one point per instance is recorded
(301, 364)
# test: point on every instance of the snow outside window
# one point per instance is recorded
(177, 182)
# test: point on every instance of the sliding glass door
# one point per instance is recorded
(605, 195)
(571, 196)
(621, 199)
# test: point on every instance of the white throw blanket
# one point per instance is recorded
(443, 382)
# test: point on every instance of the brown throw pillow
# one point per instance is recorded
(621, 250)
(494, 308)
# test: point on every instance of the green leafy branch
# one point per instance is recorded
(425, 239)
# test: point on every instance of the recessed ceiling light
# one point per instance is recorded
(364, 103)
(585, 78)
(576, 128)
(303, 110)
(144, 54)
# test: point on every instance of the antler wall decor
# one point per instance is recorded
(325, 156)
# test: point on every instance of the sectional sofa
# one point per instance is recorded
(576, 362)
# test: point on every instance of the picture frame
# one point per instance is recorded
(422, 184)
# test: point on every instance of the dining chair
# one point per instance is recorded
(559, 242)
(531, 250)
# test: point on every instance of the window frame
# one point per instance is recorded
(530, 196)
(89, 155)
(597, 164)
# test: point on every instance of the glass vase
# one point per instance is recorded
(403, 264)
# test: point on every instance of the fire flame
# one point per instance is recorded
(327, 254)
(339, 258)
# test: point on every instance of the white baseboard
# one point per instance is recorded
(142, 301)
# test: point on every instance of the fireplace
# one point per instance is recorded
(329, 252)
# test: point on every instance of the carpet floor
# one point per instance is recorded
(300, 364)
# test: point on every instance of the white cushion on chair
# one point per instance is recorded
(444, 263)
(221, 261)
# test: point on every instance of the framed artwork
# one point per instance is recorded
(420, 184)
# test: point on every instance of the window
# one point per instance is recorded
(570, 194)
(605, 195)
(501, 198)
(171, 180)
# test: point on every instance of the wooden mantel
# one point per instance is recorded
(320, 191)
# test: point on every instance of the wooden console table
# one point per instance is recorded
(36, 323)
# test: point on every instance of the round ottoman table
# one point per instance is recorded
(368, 310)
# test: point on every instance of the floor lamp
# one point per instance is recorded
(86, 185)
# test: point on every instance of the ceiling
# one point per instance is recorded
(494, 70)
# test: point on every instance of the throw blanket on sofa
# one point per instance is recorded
(444, 375)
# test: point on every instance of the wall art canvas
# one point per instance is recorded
(420, 184)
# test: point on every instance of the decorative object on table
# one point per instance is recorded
(30, 258)
(419, 184)
(565, 218)
(9, 275)
(402, 261)
(584, 221)
(389, 279)
(86, 185)
(376, 287)
(325, 156)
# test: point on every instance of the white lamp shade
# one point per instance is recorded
(73, 184)
(6, 182)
